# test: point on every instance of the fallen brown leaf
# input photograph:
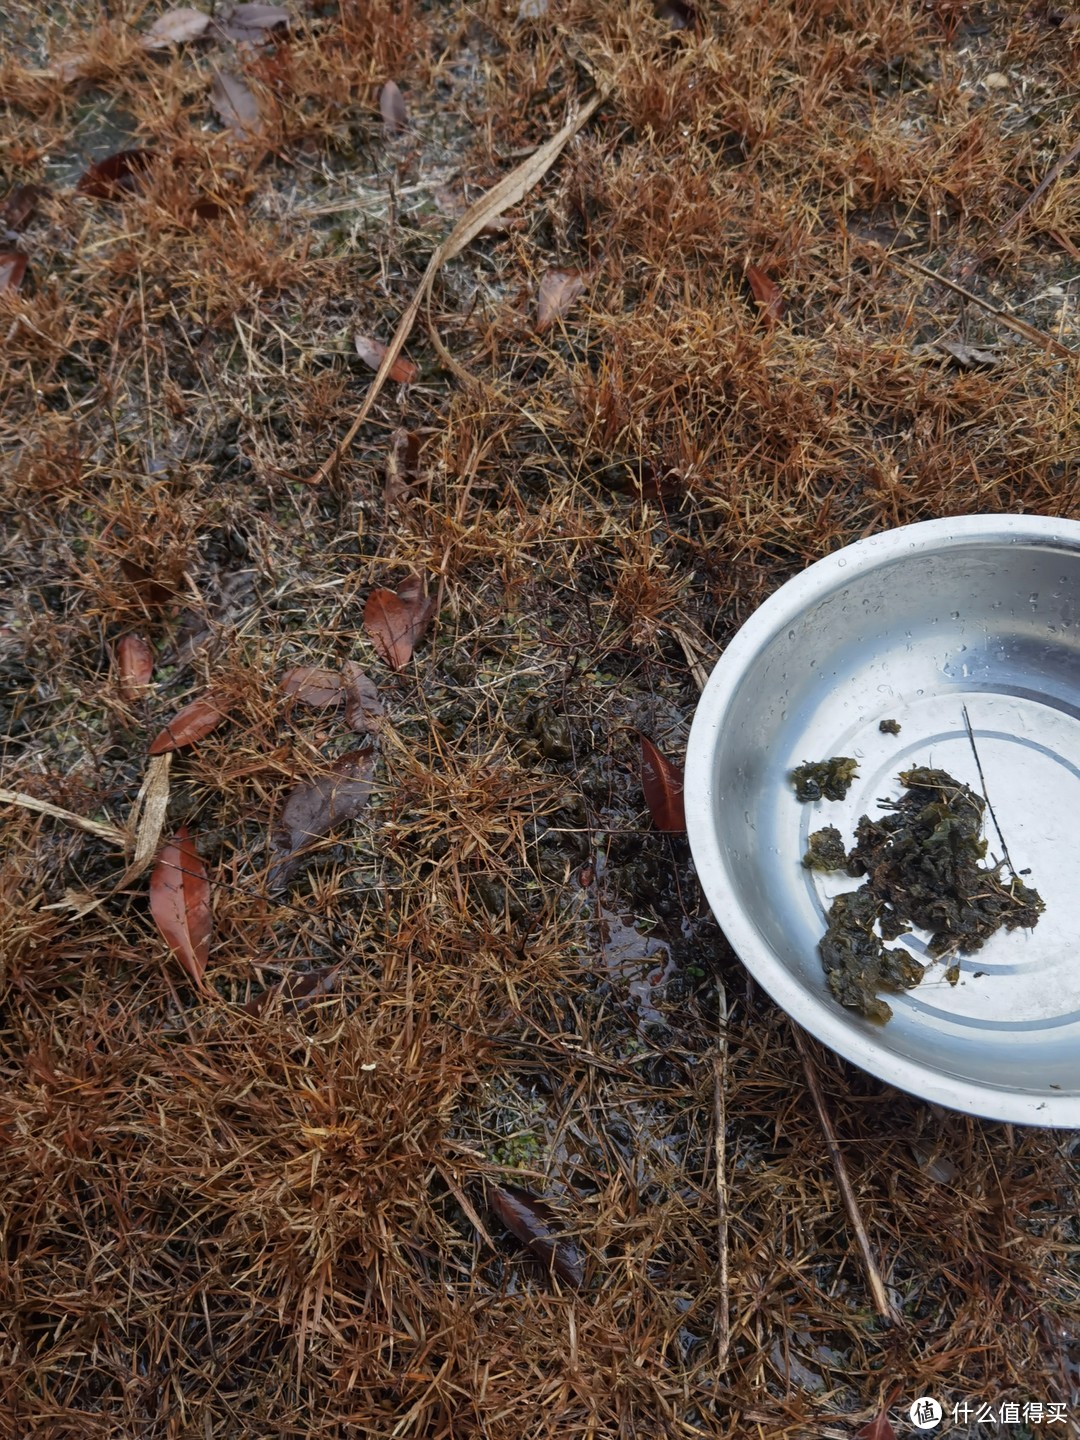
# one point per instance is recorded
(767, 294)
(419, 605)
(528, 1219)
(12, 269)
(363, 709)
(401, 465)
(187, 725)
(396, 622)
(296, 994)
(392, 108)
(135, 663)
(372, 351)
(387, 622)
(117, 176)
(20, 206)
(150, 590)
(235, 103)
(176, 27)
(180, 904)
(314, 808)
(968, 357)
(558, 291)
(252, 24)
(318, 688)
(877, 1429)
(663, 785)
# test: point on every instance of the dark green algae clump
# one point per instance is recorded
(824, 779)
(921, 860)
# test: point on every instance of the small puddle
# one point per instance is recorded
(643, 963)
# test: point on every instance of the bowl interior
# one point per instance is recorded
(917, 634)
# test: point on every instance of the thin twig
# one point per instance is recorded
(1040, 189)
(720, 1164)
(985, 792)
(851, 1205)
(1021, 327)
(509, 190)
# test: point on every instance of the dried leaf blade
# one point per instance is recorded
(12, 269)
(298, 993)
(252, 24)
(877, 1429)
(392, 108)
(662, 783)
(402, 371)
(528, 1218)
(117, 176)
(363, 709)
(135, 664)
(419, 606)
(558, 291)
(20, 206)
(389, 623)
(179, 26)
(234, 103)
(315, 807)
(188, 725)
(767, 294)
(320, 689)
(180, 904)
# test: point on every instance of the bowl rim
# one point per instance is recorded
(778, 611)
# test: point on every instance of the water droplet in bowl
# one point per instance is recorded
(791, 634)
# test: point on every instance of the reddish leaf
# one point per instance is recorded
(235, 103)
(315, 807)
(187, 725)
(387, 621)
(319, 688)
(363, 708)
(149, 589)
(558, 291)
(403, 371)
(421, 607)
(180, 904)
(12, 269)
(529, 1220)
(663, 785)
(296, 994)
(392, 108)
(767, 294)
(176, 27)
(135, 662)
(252, 24)
(117, 175)
(396, 622)
(401, 463)
(877, 1429)
(20, 206)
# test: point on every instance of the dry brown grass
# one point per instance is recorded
(216, 1223)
